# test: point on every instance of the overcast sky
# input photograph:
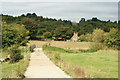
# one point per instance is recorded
(64, 10)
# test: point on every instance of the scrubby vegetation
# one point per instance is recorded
(110, 39)
(16, 69)
(15, 54)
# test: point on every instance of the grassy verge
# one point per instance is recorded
(100, 64)
(16, 70)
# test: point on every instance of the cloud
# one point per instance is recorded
(70, 10)
(59, 0)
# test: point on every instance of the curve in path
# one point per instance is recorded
(40, 66)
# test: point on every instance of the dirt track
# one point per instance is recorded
(41, 67)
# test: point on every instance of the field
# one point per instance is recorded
(69, 57)
(63, 44)
(99, 64)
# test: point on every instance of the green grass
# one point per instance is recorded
(59, 50)
(100, 64)
(3, 53)
(17, 69)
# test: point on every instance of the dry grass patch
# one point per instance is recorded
(63, 44)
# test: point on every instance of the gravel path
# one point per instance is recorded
(41, 67)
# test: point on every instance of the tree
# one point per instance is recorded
(38, 25)
(98, 35)
(112, 38)
(47, 35)
(61, 32)
(14, 34)
(31, 25)
(94, 19)
(82, 20)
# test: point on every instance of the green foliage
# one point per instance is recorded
(82, 37)
(15, 54)
(47, 35)
(62, 32)
(98, 35)
(40, 37)
(89, 37)
(16, 29)
(14, 34)
(112, 38)
(31, 26)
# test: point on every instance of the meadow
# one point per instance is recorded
(100, 64)
(69, 57)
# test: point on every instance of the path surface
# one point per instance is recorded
(41, 67)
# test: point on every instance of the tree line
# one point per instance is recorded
(20, 29)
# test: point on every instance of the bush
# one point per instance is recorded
(15, 54)
(89, 37)
(98, 35)
(82, 38)
(96, 46)
(112, 38)
(32, 47)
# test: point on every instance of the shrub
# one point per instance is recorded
(112, 38)
(15, 54)
(96, 46)
(32, 47)
(89, 37)
(98, 35)
(82, 37)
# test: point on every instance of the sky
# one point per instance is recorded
(73, 11)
